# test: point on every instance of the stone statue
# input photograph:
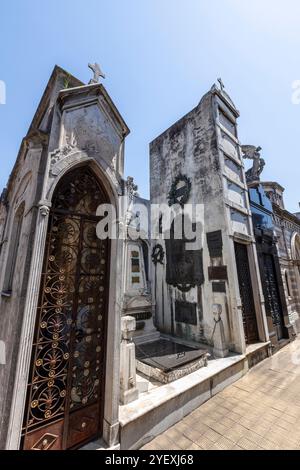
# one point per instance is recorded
(97, 73)
(132, 188)
(253, 153)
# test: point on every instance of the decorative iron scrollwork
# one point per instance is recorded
(67, 355)
(45, 442)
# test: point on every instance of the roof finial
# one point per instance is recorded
(97, 73)
(221, 84)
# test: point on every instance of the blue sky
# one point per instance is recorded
(160, 57)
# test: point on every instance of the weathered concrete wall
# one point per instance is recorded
(203, 146)
(188, 147)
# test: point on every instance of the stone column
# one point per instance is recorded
(128, 389)
(23, 363)
(112, 374)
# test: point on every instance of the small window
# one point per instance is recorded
(13, 250)
(135, 267)
(160, 225)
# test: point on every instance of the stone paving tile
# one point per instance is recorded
(195, 447)
(260, 411)
(246, 444)
(181, 427)
(261, 430)
(183, 442)
(205, 443)
(211, 435)
(193, 434)
(223, 443)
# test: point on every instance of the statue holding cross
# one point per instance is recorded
(97, 73)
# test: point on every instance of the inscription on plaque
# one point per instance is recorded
(219, 287)
(185, 312)
(215, 244)
(217, 273)
(184, 267)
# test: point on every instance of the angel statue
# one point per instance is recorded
(253, 153)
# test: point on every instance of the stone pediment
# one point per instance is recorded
(88, 129)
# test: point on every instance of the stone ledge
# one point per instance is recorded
(157, 410)
(99, 444)
(164, 405)
(160, 395)
(257, 352)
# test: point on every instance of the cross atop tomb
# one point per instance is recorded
(97, 73)
(221, 84)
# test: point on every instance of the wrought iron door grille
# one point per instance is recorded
(67, 368)
(246, 293)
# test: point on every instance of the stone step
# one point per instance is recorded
(142, 384)
(166, 404)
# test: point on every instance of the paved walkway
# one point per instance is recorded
(260, 411)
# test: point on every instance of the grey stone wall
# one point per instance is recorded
(200, 147)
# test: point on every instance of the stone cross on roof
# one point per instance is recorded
(97, 73)
(221, 83)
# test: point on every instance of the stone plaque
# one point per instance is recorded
(219, 287)
(215, 244)
(184, 267)
(217, 273)
(185, 312)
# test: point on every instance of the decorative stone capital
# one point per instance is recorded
(36, 139)
(44, 208)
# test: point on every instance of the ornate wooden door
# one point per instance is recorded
(272, 299)
(246, 293)
(66, 382)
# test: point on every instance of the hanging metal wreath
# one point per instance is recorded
(180, 190)
(158, 254)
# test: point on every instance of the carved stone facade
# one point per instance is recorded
(137, 300)
(276, 302)
(74, 129)
(287, 232)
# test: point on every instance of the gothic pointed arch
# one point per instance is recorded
(65, 392)
(295, 247)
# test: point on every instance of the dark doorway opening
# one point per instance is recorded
(246, 293)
